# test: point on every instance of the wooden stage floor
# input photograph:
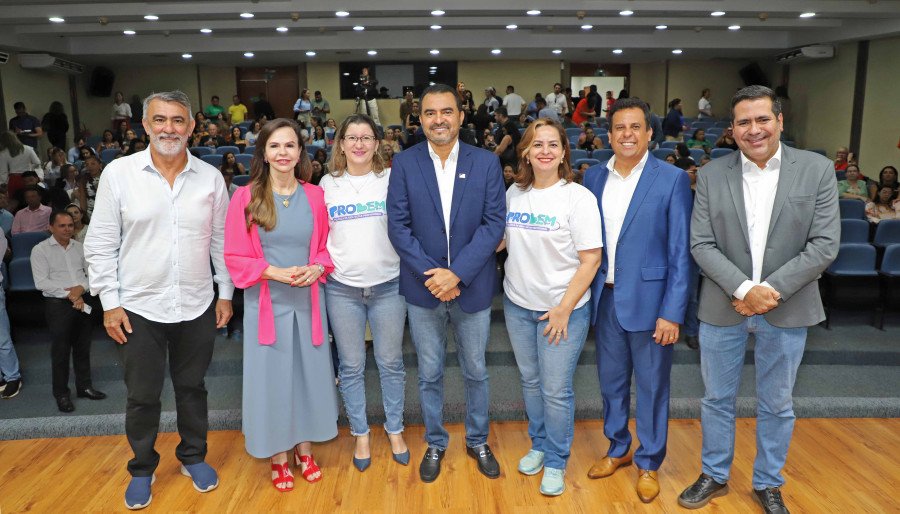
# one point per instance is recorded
(835, 465)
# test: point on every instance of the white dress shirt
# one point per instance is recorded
(55, 267)
(149, 245)
(446, 178)
(558, 102)
(616, 198)
(760, 186)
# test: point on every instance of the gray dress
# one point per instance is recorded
(289, 392)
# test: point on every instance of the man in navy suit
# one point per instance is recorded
(446, 216)
(640, 293)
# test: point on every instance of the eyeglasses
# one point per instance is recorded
(366, 140)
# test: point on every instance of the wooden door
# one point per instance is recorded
(281, 84)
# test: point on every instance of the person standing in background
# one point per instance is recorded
(704, 106)
(56, 124)
(121, 111)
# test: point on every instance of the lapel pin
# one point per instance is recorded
(462, 175)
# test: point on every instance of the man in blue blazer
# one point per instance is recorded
(640, 293)
(446, 216)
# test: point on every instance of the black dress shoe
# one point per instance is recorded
(692, 342)
(91, 393)
(430, 467)
(701, 491)
(487, 464)
(65, 404)
(771, 501)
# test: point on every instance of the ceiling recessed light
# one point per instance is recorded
(617, 51)
(248, 54)
(281, 29)
(807, 15)
(206, 31)
(246, 15)
(496, 51)
(372, 52)
(662, 27)
(533, 12)
(151, 17)
(437, 12)
(311, 53)
(346, 73)
(677, 51)
(432, 67)
(557, 51)
(512, 27)
(431, 83)
(435, 51)
(717, 13)
(186, 56)
(435, 27)
(734, 27)
(129, 32)
(56, 19)
(587, 27)
(626, 12)
(341, 14)
(359, 28)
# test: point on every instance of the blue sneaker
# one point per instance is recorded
(531, 463)
(552, 484)
(204, 476)
(138, 496)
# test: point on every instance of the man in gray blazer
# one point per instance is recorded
(764, 227)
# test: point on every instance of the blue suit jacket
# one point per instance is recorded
(477, 221)
(653, 250)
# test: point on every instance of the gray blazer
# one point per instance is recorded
(804, 237)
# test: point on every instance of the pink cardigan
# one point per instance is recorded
(246, 262)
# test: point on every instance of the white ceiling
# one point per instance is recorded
(399, 29)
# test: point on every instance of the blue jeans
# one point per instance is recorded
(777, 356)
(471, 332)
(546, 373)
(382, 306)
(9, 361)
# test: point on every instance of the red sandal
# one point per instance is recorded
(311, 466)
(284, 477)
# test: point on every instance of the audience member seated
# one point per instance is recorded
(670, 158)
(386, 151)
(108, 142)
(887, 178)
(509, 176)
(90, 183)
(29, 178)
(121, 133)
(886, 205)
(84, 153)
(35, 216)
(842, 157)
(212, 139)
(57, 194)
(230, 165)
(130, 136)
(317, 137)
(228, 175)
(390, 141)
(321, 156)
(726, 140)
(588, 140)
(318, 171)
(234, 138)
(579, 173)
(15, 158)
(331, 129)
(682, 152)
(74, 153)
(253, 133)
(853, 186)
(53, 167)
(698, 140)
(482, 120)
(81, 228)
(6, 217)
(136, 145)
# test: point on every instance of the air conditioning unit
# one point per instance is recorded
(48, 62)
(806, 52)
(4, 57)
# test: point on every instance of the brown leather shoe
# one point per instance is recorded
(647, 485)
(608, 465)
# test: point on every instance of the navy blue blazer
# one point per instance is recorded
(653, 250)
(477, 221)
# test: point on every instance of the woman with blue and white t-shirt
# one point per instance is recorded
(364, 284)
(554, 239)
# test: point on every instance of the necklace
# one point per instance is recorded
(285, 200)
(361, 187)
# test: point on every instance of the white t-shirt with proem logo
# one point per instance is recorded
(358, 239)
(545, 230)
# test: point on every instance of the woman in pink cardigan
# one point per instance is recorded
(275, 236)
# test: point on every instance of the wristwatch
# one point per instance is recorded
(321, 269)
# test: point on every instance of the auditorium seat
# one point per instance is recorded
(889, 283)
(854, 231)
(107, 155)
(244, 159)
(200, 151)
(852, 209)
(20, 265)
(697, 154)
(222, 150)
(602, 154)
(250, 150)
(590, 162)
(720, 152)
(854, 268)
(214, 159)
(577, 154)
(669, 144)
(573, 131)
(661, 153)
(240, 180)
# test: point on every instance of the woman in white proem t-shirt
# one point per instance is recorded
(364, 284)
(554, 239)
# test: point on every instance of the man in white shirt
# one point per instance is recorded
(159, 217)
(640, 293)
(704, 106)
(60, 273)
(513, 102)
(765, 225)
(557, 100)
